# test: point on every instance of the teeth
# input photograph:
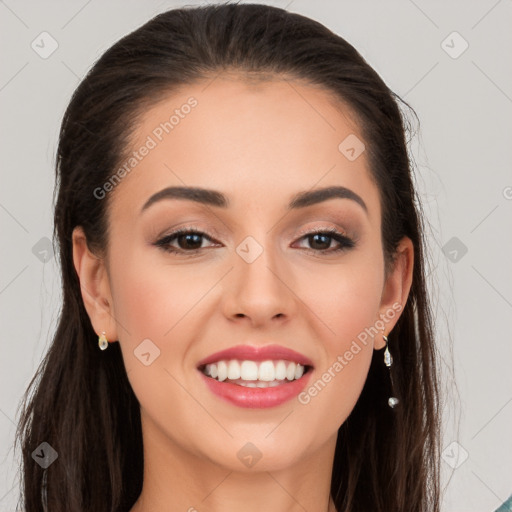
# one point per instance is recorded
(290, 372)
(280, 370)
(267, 371)
(222, 370)
(255, 384)
(258, 384)
(233, 370)
(260, 373)
(248, 370)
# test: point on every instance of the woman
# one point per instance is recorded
(245, 317)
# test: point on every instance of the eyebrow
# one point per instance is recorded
(218, 199)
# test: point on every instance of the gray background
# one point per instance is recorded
(463, 154)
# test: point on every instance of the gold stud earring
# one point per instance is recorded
(102, 341)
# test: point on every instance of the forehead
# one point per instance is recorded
(248, 138)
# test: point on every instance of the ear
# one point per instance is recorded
(94, 285)
(396, 288)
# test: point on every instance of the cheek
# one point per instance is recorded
(349, 310)
(346, 304)
(345, 299)
(333, 392)
(156, 303)
(150, 300)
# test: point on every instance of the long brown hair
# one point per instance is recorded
(80, 401)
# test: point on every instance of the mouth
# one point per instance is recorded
(255, 374)
(275, 373)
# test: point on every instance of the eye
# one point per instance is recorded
(189, 240)
(320, 240)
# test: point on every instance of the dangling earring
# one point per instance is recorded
(388, 361)
(102, 341)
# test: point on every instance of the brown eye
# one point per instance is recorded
(188, 241)
(321, 240)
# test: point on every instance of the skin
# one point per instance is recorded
(258, 143)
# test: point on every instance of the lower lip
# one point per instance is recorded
(256, 398)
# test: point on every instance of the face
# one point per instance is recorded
(265, 266)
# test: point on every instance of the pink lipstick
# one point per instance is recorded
(264, 383)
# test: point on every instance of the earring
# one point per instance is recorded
(388, 361)
(102, 341)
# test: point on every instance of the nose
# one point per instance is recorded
(260, 292)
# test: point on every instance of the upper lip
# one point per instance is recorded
(254, 353)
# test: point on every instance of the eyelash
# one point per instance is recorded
(344, 241)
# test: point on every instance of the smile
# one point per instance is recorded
(272, 390)
(253, 374)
